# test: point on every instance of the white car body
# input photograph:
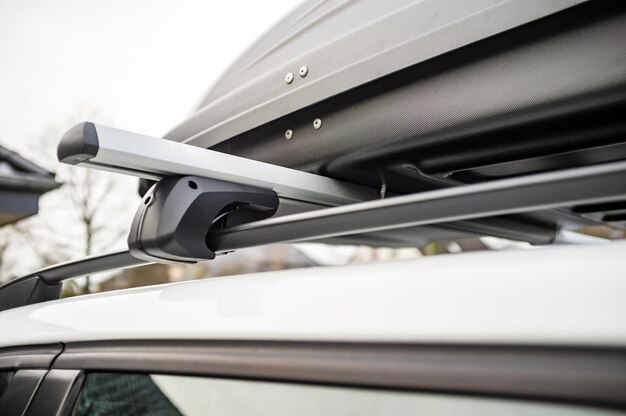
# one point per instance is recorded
(560, 295)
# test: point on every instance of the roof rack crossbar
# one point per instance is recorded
(110, 149)
(566, 188)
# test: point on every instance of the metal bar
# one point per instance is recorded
(594, 184)
(120, 151)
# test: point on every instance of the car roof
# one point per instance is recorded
(559, 295)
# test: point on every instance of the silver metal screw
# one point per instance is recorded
(317, 123)
(289, 78)
(288, 134)
(303, 71)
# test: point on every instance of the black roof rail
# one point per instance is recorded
(566, 188)
(45, 284)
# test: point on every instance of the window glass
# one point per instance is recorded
(142, 394)
(5, 379)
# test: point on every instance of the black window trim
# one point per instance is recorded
(573, 375)
(58, 393)
(32, 357)
(594, 376)
(31, 365)
(21, 391)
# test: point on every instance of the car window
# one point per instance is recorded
(167, 395)
(5, 379)
(128, 394)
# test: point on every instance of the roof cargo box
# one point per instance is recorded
(411, 96)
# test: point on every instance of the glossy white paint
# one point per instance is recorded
(572, 295)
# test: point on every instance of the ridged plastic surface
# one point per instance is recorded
(343, 44)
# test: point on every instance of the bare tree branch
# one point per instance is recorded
(77, 221)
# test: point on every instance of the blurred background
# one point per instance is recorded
(141, 66)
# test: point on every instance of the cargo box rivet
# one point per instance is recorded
(303, 71)
(289, 134)
(317, 123)
(289, 78)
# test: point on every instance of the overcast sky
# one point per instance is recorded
(140, 65)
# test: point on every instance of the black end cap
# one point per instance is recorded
(27, 291)
(79, 144)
